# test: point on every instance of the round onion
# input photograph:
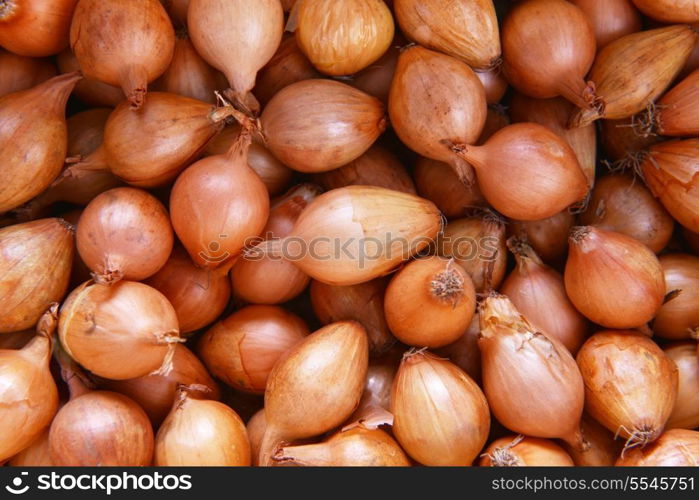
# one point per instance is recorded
(685, 414)
(521, 451)
(678, 318)
(35, 28)
(548, 237)
(22, 73)
(675, 448)
(610, 19)
(89, 90)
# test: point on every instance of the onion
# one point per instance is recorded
(344, 36)
(268, 280)
(201, 433)
(256, 431)
(674, 448)
(602, 449)
(318, 125)
(613, 279)
(464, 352)
(465, 30)
(86, 131)
(526, 171)
(630, 384)
(129, 54)
(120, 332)
(477, 244)
(372, 412)
(177, 9)
(621, 139)
(362, 302)
(27, 390)
(685, 414)
(440, 415)
(496, 119)
(522, 451)
(670, 11)
(376, 79)
(554, 114)
(199, 296)
(237, 37)
(676, 112)
(217, 204)
(610, 19)
(634, 70)
(430, 302)
(623, 204)
(670, 171)
(538, 293)
(89, 90)
(531, 381)
(436, 100)
(33, 139)
(35, 28)
(124, 233)
(35, 262)
(155, 393)
(357, 447)
(494, 83)
(548, 46)
(315, 386)
(678, 318)
(548, 237)
(36, 454)
(22, 73)
(693, 59)
(242, 349)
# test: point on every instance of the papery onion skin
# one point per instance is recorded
(89, 90)
(35, 263)
(548, 237)
(602, 448)
(22, 73)
(319, 125)
(670, 11)
(674, 448)
(621, 139)
(685, 414)
(613, 279)
(36, 454)
(522, 451)
(630, 384)
(35, 28)
(242, 349)
(610, 19)
(678, 318)
(676, 112)
(441, 416)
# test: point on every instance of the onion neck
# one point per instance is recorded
(244, 101)
(497, 314)
(576, 440)
(39, 348)
(57, 90)
(271, 442)
(8, 10)
(134, 84)
(524, 254)
(461, 167)
(579, 92)
(94, 162)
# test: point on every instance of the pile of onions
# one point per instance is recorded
(430, 302)
(613, 279)
(268, 280)
(630, 384)
(344, 36)
(601, 450)
(676, 112)
(685, 414)
(548, 237)
(531, 381)
(521, 451)
(201, 433)
(678, 318)
(33, 139)
(35, 263)
(89, 90)
(22, 73)
(242, 349)
(238, 38)
(610, 19)
(675, 448)
(316, 386)
(669, 11)
(35, 28)
(217, 204)
(464, 352)
(126, 54)
(441, 416)
(538, 292)
(621, 203)
(119, 332)
(27, 389)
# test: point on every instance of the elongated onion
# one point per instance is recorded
(522, 451)
(35, 28)
(685, 414)
(678, 318)
(676, 112)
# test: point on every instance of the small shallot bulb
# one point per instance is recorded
(441, 416)
(315, 386)
(610, 19)
(685, 414)
(522, 451)
(344, 36)
(675, 448)
(430, 302)
(242, 349)
(35, 28)
(548, 237)
(630, 384)
(124, 233)
(201, 433)
(602, 448)
(670, 11)
(678, 318)
(531, 381)
(613, 279)
(22, 73)
(675, 114)
(89, 90)
(86, 131)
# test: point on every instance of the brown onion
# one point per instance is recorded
(242, 349)
(256, 431)
(119, 332)
(22, 73)
(675, 114)
(35, 262)
(464, 352)
(35, 28)
(16, 340)
(602, 449)
(376, 79)
(522, 451)
(548, 237)
(674, 448)
(621, 138)
(319, 125)
(610, 19)
(621, 203)
(465, 30)
(693, 59)
(531, 381)
(685, 414)
(613, 279)
(670, 11)
(33, 139)
(86, 131)
(440, 415)
(315, 386)
(36, 454)
(630, 384)
(89, 90)
(494, 83)
(678, 318)
(538, 293)
(430, 302)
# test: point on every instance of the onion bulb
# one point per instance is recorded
(678, 318)
(674, 448)
(602, 448)
(86, 131)
(613, 279)
(373, 410)
(494, 83)
(35, 28)
(464, 351)
(675, 114)
(621, 139)
(125, 43)
(548, 237)
(685, 414)
(89, 90)
(670, 11)
(441, 417)
(610, 19)
(256, 430)
(16, 340)
(522, 451)
(22, 73)
(36, 454)
(630, 384)
(376, 79)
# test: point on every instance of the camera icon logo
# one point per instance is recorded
(16, 487)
